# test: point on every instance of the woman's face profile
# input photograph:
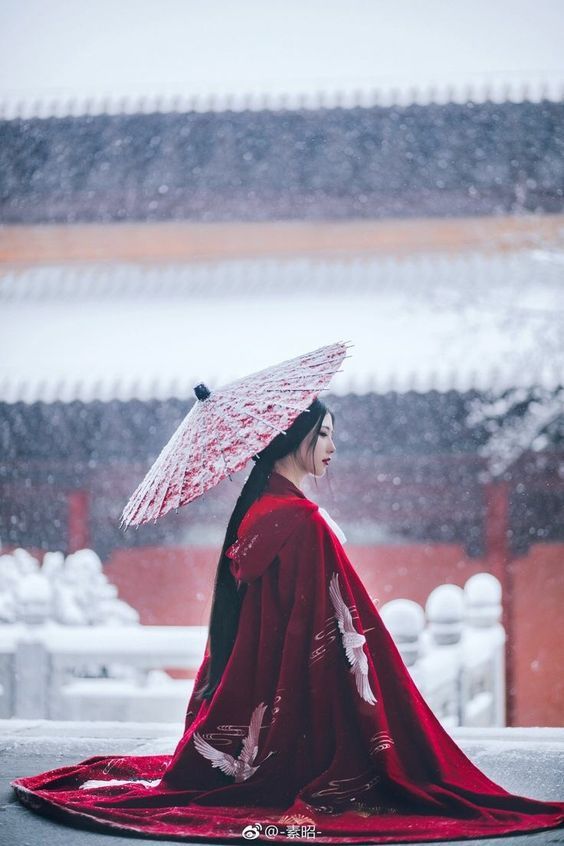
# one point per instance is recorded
(317, 461)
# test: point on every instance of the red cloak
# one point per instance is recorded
(316, 728)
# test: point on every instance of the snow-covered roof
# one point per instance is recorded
(329, 165)
(429, 322)
(188, 55)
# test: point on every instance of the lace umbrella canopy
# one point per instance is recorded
(226, 427)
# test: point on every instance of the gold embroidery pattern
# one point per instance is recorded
(275, 705)
(340, 792)
(364, 810)
(343, 787)
(295, 819)
(224, 733)
(327, 635)
(380, 741)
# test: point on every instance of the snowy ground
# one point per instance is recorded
(526, 761)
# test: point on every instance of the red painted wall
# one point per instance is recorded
(172, 586)
(538, 644)
(168, 586)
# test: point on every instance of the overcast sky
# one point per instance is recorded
(194, 47)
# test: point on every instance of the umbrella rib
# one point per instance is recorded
(233, 425)
(228, 392)
(278, 383)
(284, 378)
(167, 460)
(319, 356)
(292, 407)
(192, 441)
(149, 485)
(288, 390)
(272, 402)
(307, 376)
(172, 476)
(260, 420)
(304, 377)
(161, 467)
(135, 503)
(184, 467)
(247, 413)
(180, 475)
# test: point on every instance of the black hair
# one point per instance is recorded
(227, 598)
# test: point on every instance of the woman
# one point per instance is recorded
(304, 718)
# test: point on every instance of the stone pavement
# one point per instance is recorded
(525, 761)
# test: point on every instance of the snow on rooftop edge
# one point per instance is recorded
(415, 274)
(432, 323)
(72, 104)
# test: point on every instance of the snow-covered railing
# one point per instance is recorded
(454, 650)
(52, 671)
(73, 591)
(457, 660)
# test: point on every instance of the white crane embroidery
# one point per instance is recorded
(353, 641)
(241, 767)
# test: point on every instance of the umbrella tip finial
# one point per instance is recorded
(202, 393)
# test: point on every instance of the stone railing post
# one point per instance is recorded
(444, 611)
(483, 612)
(405, 621)
(31, 670)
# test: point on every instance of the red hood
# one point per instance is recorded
(266, 527)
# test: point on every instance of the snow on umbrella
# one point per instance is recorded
(225, 428)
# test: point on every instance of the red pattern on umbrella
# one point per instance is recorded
(225, 428)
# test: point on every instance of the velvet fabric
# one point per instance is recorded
(316, 730)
